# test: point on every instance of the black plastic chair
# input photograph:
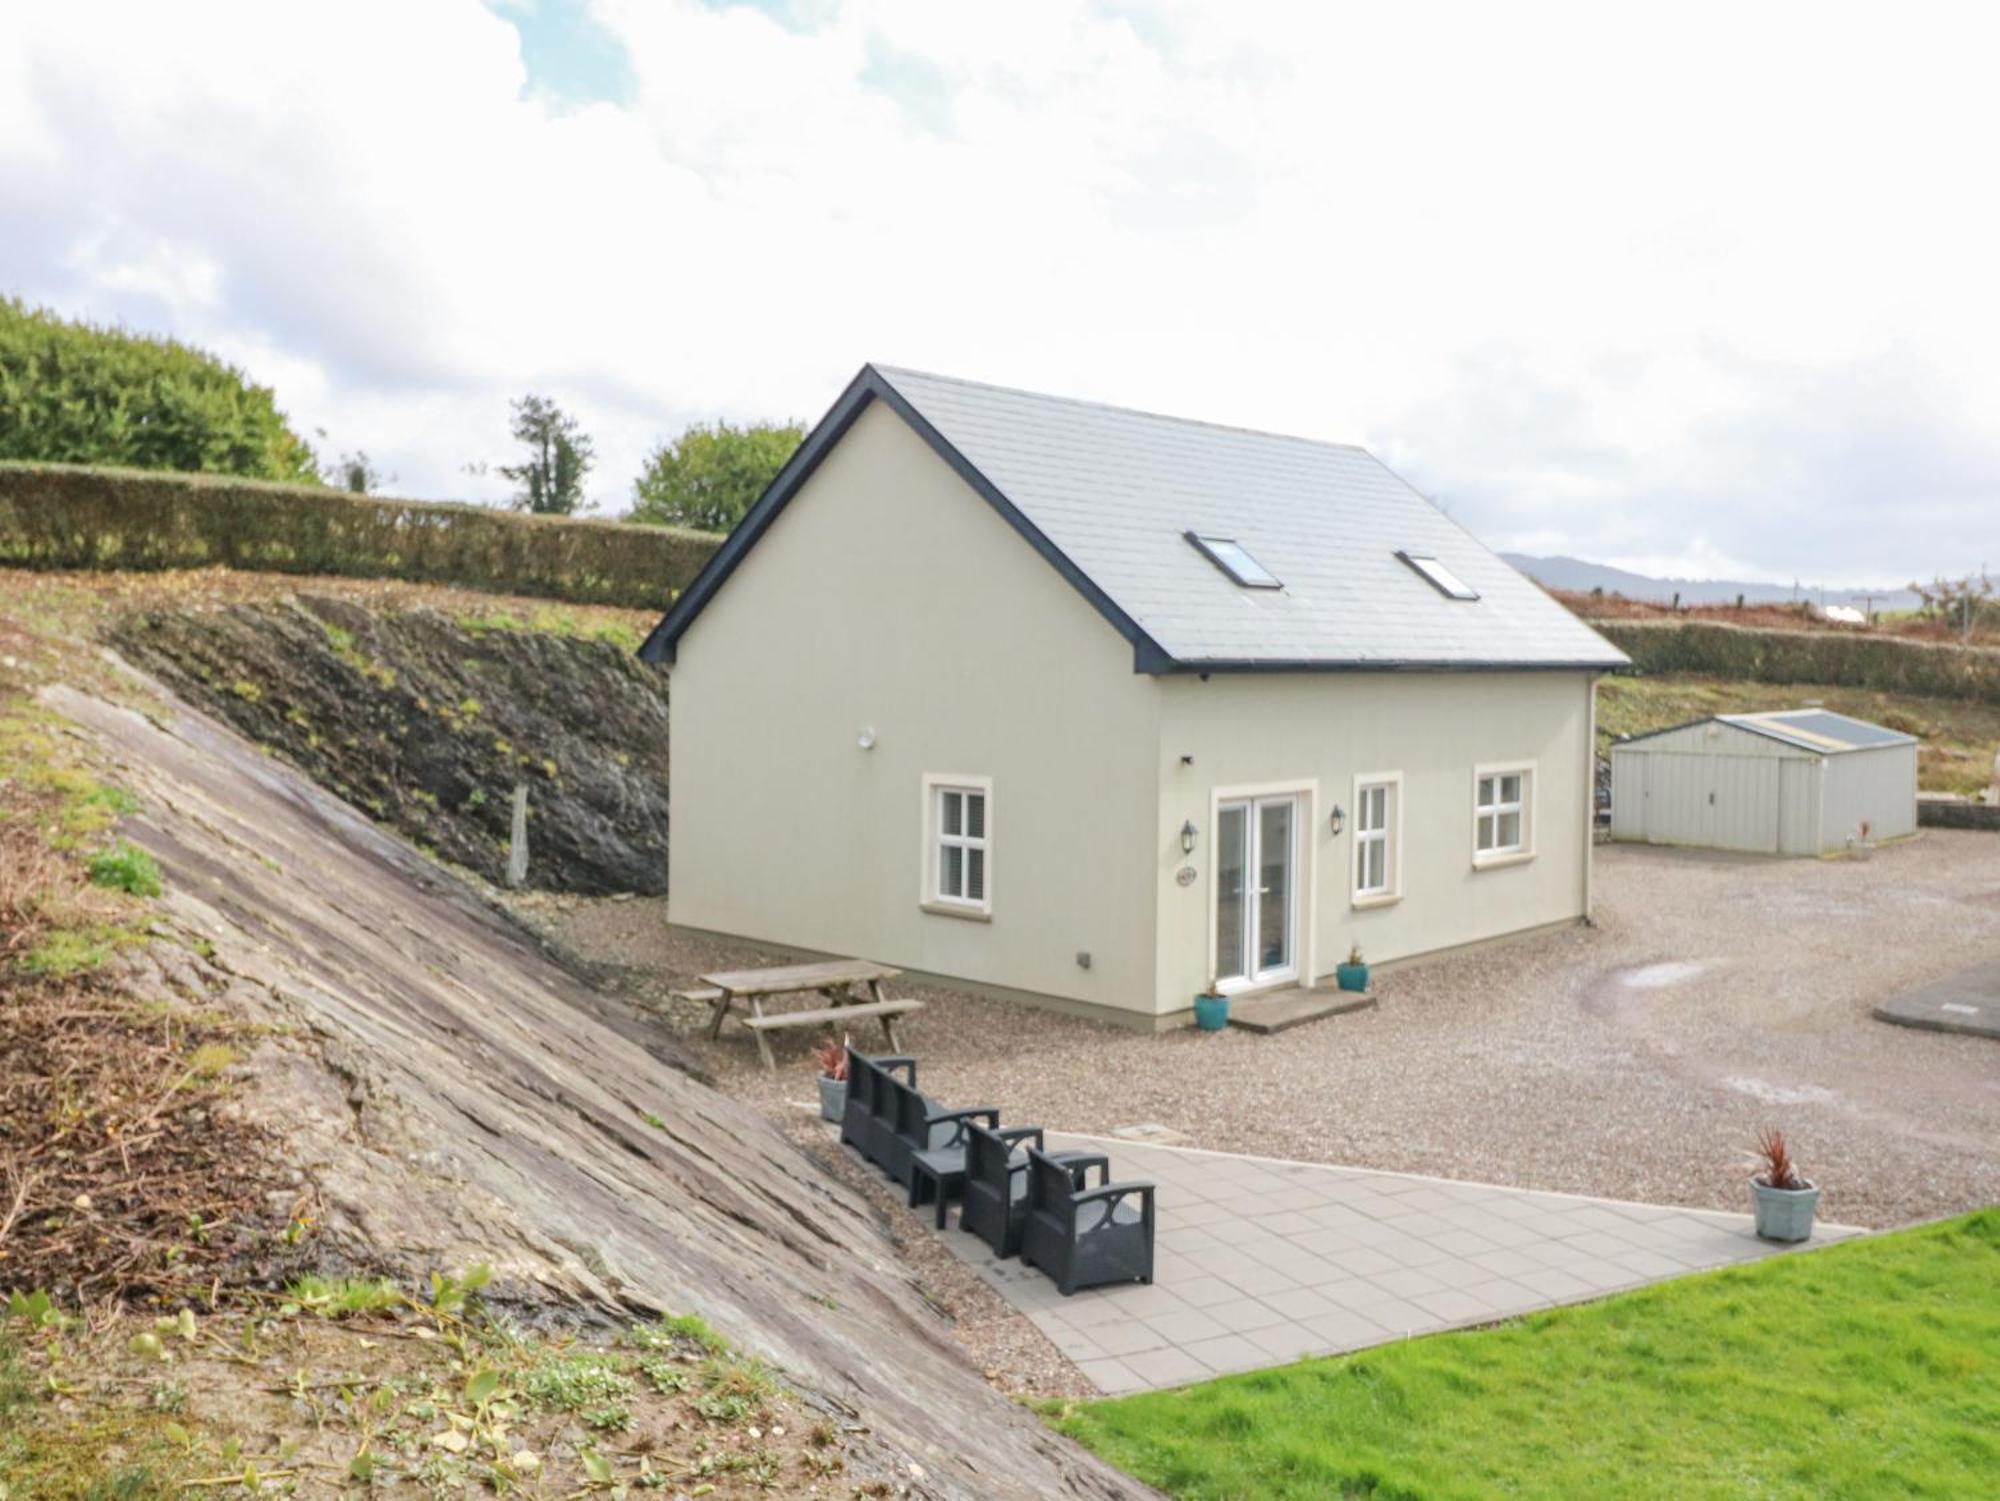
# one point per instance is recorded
(996, 1184)
(924, 1126)
(1081, 1236)
(868, 1080)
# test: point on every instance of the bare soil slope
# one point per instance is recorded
(454, 1096)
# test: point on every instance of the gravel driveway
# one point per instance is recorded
(1637, 1059)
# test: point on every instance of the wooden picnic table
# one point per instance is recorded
(852, 987)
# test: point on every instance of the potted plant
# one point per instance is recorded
(1785, 1201)
(1353, 975)
(1211, 1008)
(831, 1057)
(1859, 845)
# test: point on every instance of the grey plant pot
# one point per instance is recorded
(832, 1098)
(1785, 1214)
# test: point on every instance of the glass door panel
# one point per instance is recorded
(1232, 891)
(1274, 886)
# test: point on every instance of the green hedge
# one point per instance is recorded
(1846, 659)
(66, 516)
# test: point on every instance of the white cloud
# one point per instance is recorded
(1707, 285)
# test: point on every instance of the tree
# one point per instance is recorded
(711, 474)
(353, 472)
(1957, 603)
(75, 393)
(559, 456)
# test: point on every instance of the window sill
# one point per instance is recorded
(952, 909)
(1494, 862)
(1376, 899)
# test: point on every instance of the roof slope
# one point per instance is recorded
(1109, 496)
(1818, 730)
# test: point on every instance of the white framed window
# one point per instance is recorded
(1503, 813)
(1378, 838)
(958, 845)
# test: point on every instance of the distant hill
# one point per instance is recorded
(1574, 573)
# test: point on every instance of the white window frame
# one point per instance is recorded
(929, 896)
(1391, 836)
(1507, 854)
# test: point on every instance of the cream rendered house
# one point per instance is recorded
(1087, 706)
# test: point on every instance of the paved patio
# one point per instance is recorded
(1259, 1262)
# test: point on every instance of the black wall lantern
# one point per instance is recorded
(1339, 818)
(1188, 831)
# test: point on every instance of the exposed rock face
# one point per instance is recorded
(453, 1097)
(428, 726)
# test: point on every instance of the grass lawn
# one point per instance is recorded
(1867, 1370)
(1959, 736)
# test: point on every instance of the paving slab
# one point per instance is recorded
(1245, 1278)
(1968, 1003)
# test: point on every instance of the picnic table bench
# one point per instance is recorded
(852, 987)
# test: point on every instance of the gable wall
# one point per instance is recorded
(1327, 728)
(889, 595)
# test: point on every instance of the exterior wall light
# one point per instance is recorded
(1188, 831)
(866, 740)
(1339, 818)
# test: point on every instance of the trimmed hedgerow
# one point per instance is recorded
(69, 516)
(1847, 659)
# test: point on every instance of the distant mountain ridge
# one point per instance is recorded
(1575, 574)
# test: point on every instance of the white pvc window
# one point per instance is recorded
(959, 820)
(1441, 578)
(1376, 820)
(1500, 812)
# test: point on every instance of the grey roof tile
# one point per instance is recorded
(1116, 492)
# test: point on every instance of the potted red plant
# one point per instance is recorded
(831, 1057)
(1784, 1199)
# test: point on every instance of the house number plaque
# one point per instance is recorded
(1185, 875)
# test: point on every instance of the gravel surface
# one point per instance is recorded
(1636, 1059)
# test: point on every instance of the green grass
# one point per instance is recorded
(1959, 736)
(126, 867)
(1868, 1370)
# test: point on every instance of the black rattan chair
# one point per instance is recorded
(996, 1184)
(924, 1126)
(868, 1079)
(1085, 1237)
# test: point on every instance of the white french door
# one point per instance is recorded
(1256, 891)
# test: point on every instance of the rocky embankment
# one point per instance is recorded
(428, 724)
(448, 1095)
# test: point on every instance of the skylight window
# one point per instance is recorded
(1234, 559)
(1441, 578)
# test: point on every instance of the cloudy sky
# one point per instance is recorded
(1700, 289)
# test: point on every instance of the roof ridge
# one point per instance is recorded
(891, 371)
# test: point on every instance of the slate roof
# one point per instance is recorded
(1108, 496)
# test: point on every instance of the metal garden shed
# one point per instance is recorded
(1797, 782)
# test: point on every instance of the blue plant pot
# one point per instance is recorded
(1352, 976)
(1211, 1012)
